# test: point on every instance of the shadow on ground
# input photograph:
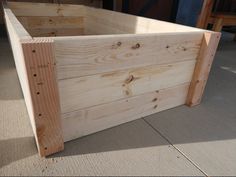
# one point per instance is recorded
(15, 149)
(10, 87)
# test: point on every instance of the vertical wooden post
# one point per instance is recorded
(207, 52)
(118, 5)
(205, 13)
(40, 68)
(218, 25)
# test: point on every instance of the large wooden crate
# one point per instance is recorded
(83, 69)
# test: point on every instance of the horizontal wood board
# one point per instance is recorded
(82, 92)
(82, 56)
(130, 23)
(52, 32)
(45, 9)
(51, 22)
(90, 120)
(16, 33)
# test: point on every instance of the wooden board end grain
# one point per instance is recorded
(40, 66)
(204, 62)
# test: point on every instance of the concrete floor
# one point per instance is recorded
(181, 142)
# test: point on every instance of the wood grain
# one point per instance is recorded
(13, 23)
(202, 68)
(53, 32)
(51, 22)
(16, 33)
(86, 121)
(40, 67)
(82, 92)
(87, 55)
(131, 24)
(37, 77)
(45, 9)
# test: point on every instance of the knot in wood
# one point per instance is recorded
(129, 79)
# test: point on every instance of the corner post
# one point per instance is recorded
(203, 65)
(41, 73)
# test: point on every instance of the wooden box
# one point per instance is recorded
(83, 69)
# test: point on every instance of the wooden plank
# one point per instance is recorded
(52, 32)
(218, 25)
(131, 24)
(94, 27)
(227, 20)
(82, 56)
(202, 69)
(93, 3)
(205, 14)
(45, 9)
(40, 68)
(124, 22)
(14, 25)
(51, 22)
(15, 33)
(86, 121)
(82, 92)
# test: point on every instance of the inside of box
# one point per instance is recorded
(44, 20)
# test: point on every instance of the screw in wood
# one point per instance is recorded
(136, 46)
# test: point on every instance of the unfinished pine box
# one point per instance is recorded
(83, 69)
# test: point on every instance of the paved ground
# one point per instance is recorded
(181, 141)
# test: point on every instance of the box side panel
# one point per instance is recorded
(52, 32)
(90, 120)
(128, 23)
(51, 22)
(93, 3)
(45, 9)
(83, 92)
(122, 78)
(53, 26)
(83, 56)
(44, 19)
(14, 25)
(95, 27)
(109, 80)
(14, 37)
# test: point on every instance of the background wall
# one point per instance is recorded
(188, 12)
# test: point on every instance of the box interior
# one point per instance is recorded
(45, 20)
